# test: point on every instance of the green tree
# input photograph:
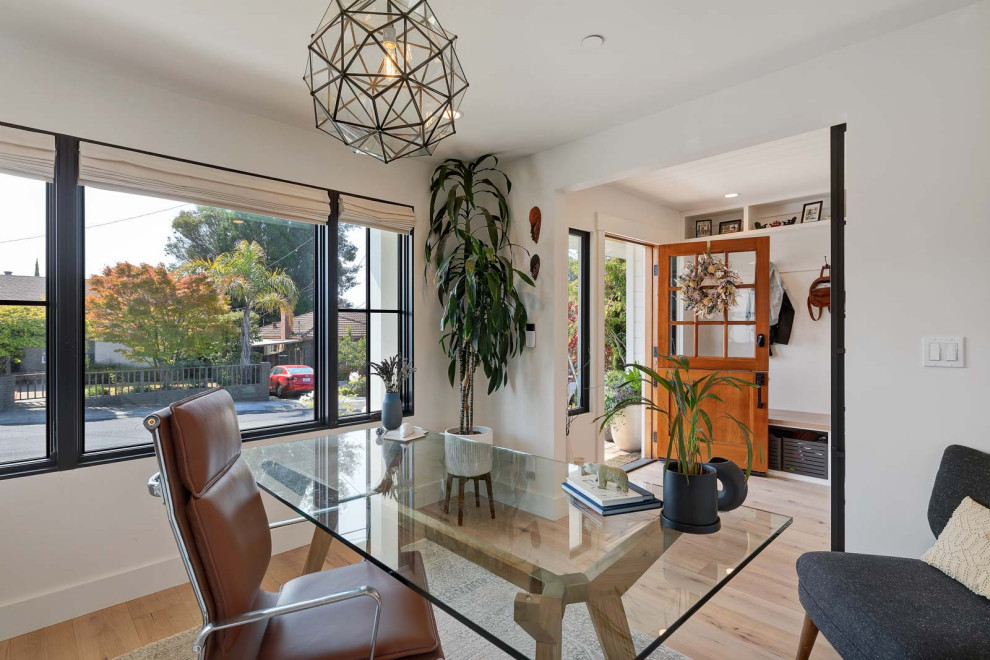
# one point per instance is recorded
(162, 317)
(352, 354)
(243, 274)
(21, 326)
(206, 232)
(615, 313)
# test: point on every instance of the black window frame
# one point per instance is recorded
(584, 321)
(65, 340)
(403, 314)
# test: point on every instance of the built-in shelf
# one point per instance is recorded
(769, 231)
(765, 212)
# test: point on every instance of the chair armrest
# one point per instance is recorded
(199, 647)
(155, 485)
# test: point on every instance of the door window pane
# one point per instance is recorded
(180, 298)
(745, 307)
(678, 308)
(710, 340)
(23, 327)
(744, 263)
(682, 340)
(742, 341)
(677, 266)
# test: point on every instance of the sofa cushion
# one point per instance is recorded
(869, 606)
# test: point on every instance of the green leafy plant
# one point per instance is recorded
(618, 388)
(484, 319)
(692, 429)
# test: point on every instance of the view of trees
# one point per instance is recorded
(161, 318)
(243, 274)
(205, 233)
(20, 327)
(615, 313)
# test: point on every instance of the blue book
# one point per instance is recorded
(645, 505)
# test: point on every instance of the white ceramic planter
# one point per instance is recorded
(625, 432)
(468, 455)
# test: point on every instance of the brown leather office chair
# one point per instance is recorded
(219, 521)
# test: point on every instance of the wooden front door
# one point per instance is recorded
(734, 342)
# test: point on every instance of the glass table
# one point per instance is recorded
(532, 571)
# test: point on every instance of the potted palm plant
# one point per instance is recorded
(468, 248)
(691, 499)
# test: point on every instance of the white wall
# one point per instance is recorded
(74, 542)
(800, 371)
(918, 158)
(520, 412)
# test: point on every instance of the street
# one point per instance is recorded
(22, 430)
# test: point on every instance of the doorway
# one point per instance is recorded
(626, 330)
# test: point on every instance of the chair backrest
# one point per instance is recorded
(963, 472)
(218, 509)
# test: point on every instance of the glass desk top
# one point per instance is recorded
(544, 574)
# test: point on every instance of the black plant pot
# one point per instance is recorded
(733, 480)
(690, 502)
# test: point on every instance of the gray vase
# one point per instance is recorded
(392, 411)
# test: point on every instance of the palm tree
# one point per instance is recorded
(243, 275)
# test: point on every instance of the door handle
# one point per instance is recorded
(761, 380)
(761, 340)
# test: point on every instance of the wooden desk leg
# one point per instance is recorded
(542, 617)
(318, 549)
(612, 627)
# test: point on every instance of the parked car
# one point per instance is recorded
(290, 379)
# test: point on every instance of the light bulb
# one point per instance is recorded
(389, 67)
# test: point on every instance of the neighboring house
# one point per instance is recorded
(283, 345)
(21, 288)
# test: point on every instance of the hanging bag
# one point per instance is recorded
(820, 293)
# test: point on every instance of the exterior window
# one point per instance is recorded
(370, 318)
(578, 309)
(23, 320)
(181, 297)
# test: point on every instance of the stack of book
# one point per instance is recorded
(608, 501)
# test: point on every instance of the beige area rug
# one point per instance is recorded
(617, 458)
(471, 591)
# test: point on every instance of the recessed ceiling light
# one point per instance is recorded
(593, 41)
(731, 195)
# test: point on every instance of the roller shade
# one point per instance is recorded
(25, 153)
(377, 215)
(142, 174)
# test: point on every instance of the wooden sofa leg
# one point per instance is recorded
(809, 633)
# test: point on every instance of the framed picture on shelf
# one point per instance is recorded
(730, 226)
(702, 228)
(812, 212)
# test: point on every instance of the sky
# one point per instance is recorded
(119, 227)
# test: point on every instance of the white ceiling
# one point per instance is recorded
(532, 85)
(776, 170)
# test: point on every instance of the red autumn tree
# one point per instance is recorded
(161, 318)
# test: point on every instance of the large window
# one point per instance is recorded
(370, 316)
(578, 310)
(180, 297)
(23, 319)
(129, 281)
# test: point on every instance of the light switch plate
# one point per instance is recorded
(943, 351)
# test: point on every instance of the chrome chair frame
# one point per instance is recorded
(159, 487)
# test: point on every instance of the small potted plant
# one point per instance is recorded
(393, 371)
(622, 428)
(691, 499)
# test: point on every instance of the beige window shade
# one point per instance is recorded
(142, 174)
(24, 153)
(378, 215)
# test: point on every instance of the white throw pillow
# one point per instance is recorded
(962, 550)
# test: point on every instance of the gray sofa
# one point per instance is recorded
(872, 607)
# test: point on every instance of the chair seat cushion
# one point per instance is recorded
(870, 606)
(342, 631)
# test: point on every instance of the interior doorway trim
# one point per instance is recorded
(838, 317)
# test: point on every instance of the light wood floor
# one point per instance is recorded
(757, 615)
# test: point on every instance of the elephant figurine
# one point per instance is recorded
(607, 473)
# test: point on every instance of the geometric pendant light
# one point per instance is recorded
(384, 77)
